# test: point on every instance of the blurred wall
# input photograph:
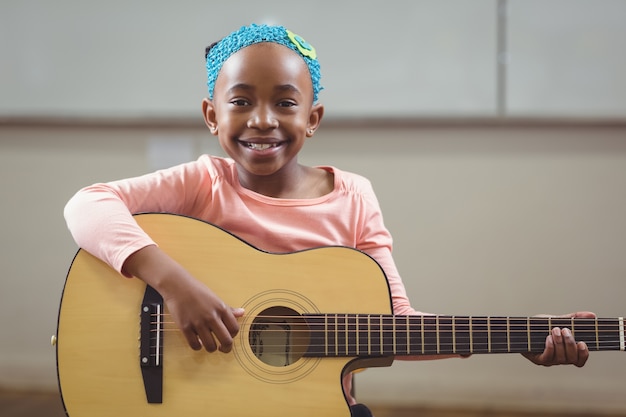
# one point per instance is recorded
(398, 58)
(493, 131)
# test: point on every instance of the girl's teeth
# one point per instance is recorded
(260, 146)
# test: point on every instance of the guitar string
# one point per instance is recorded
(352, 331)
(588, 327)
(417, 349)
(416, 346)
(432, 318)
(514, 323)
(415, 328)
(340, 326)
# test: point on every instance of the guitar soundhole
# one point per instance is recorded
(279, 336)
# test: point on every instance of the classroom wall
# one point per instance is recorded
(452, 58)
(492, 130)
(486, 221)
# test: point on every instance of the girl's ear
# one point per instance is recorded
(315, 118)
(208, 111)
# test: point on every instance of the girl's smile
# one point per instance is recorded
(261, 146)
(262, 149)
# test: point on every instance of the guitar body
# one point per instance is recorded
(98, 333)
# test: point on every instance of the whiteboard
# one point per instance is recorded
(145, 58)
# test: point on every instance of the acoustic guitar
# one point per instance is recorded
(310, 317)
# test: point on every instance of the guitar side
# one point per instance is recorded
(97, 339)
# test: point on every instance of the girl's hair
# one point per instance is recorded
(218, 52)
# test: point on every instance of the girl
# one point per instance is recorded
(263, 86)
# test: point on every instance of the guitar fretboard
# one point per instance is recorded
(341, 335)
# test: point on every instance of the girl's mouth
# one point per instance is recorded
(261, 146)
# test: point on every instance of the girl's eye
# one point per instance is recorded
(286, 104)
(239, 102)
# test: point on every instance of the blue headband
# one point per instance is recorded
(249, 35)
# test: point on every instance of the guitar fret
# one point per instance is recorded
(398, 335)
(358, 342)
(453, 335)
(431, 335)
(347, 335)
(462, 335)
(480, 334)
(499, 334)
(326, 335)
(471, 335)
(597, 335)
(369, 334)
(381, 336)
(423, 350)
(550, 323)
(336, 335)
(363, 334)
(408, 336)
(528, 333)
(489, 334)
(508, 334)
(518, 340)
(446, 334)
(621, 333)
(376, 339)
(437, 332)
(393, 324)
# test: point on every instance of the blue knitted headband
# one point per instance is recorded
(249, 35)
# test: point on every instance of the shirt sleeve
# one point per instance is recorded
(376, 241)
(100, 216)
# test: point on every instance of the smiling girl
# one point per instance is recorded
(263, 86)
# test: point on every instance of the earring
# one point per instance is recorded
(213, 129)
(309, 131)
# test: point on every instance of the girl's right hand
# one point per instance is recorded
(204, 319)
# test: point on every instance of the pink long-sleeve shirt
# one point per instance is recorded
(101, 222)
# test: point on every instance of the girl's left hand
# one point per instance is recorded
(561, 348)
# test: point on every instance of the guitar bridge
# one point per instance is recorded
(151, 345)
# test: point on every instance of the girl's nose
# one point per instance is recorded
(262, 119)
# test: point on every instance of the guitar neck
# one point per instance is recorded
(363, 335)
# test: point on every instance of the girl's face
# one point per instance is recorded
(262, 110)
